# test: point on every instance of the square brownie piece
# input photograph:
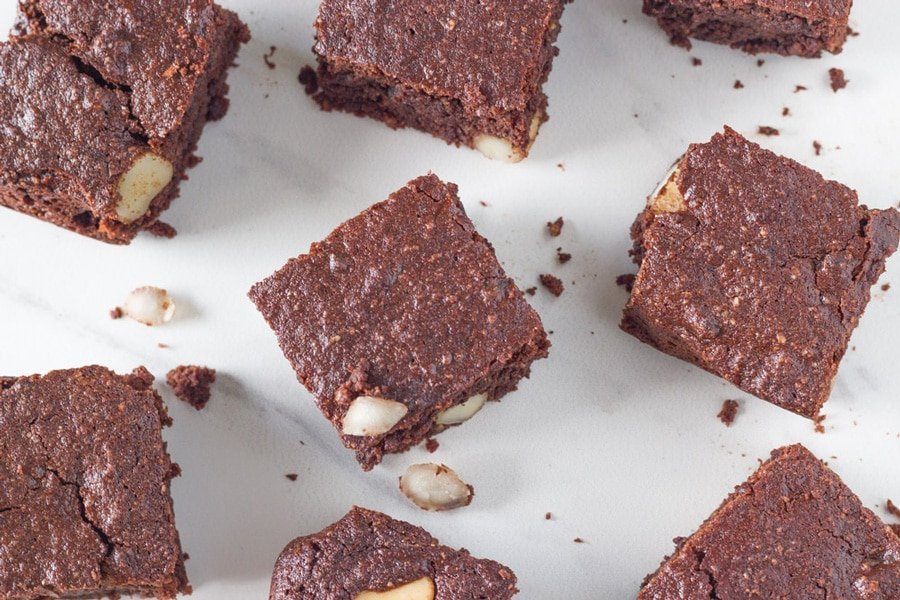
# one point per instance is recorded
(468, 72)
(756, 269)
(792, 530)
(104, 103)
(788, 27)
(85, 509)
(368, 553)
(402, 322)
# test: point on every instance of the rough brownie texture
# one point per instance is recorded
(191, 384)
(793, 530)
(90, 87)
(370, 551)
(406, 302)
(788, 27)
(757, 269)
(85, 509)
(457, 70)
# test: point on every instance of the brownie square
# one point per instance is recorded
(468, 72)
(402, 311)
(787, 27)
(792, 530)
(104, 103)
(85, 509)
(756, 269)
(367, 551)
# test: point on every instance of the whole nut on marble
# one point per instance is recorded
(462, 412)
(146, 178)
(420, 589)
(435, 487)
(369, 416)
(149, 305)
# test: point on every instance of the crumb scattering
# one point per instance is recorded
(191, 384)
(738, 84)
(728, 412)
(563, 257)
(817, 424)
(785, 112)
(291, 476)
(799, 88)
(760, 62)
(838, 81)
(561, 167)
(555, 227)
(696, 61)
(431, 445)
(267, 57)
(626, 280)
(769, 131)
(553, 284)
(578, 540)
(116, 313)
(531, 291)
(885, 287)
(817, 146)
(549, 515)
(892, 508)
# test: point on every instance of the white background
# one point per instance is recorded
(620, 442)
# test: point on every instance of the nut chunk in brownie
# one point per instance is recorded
(85, 509)
(103, 105)
(788, 27)
(468, 72)
(792, 530)
(756, 269)
(370, 556)
(402, 321)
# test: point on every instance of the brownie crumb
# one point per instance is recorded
(549, 515)
(483, 203)
(553, 284)
(851, 32)
(766, 130)
(696, 61)
(838, 81)
(885, 287)
(626, 280)
(561, 167)
(892, 508)
(191, 384)
(308, 80)
(799, 88)
(738, 84)
(162, 345)
(163, 230)
(760, 62)
(817, 424)
(116, 313)
(817, 146)
(578, 540)
(531, 291)
(267, 57)
(431, 445)
(563, 257)
(291, 476)
(728, 412)
(555, 228)
(785, 112)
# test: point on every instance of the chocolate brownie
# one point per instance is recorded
(191, 384)
(788, 27)
(792, 530)
(85, 509)
(402, 321)
(468, 72)
(367, 551)
(104, 103)
(756, 269)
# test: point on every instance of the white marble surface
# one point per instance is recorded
(620, 442)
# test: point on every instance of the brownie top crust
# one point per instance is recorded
(84, 500)
(808, 9)
(156, 50)
(484, 53)
(792, 530)
(370, 551)
(758, 271)
(406, 297)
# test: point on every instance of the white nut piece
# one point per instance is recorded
(435, 487)
(146, 178)
(149, 305)
(369, 416)
(420, 589)
(462, 412)
(667, 198)
(501, 149)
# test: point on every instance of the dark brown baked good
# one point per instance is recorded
(85, 509)
(191, 384)
(370, 551)
(405, 303)
(792, 530)
(788, 27)
(104, 103)
(468, 72)
(756, 269)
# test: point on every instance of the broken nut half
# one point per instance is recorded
(501, 149)
(146, 178)
(369, 416)
(149, 305)
(462, 412)
(668, 198)
(435, 487)
(420, 589)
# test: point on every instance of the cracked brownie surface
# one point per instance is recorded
(85, 509)
(756, 269)
(792, 530)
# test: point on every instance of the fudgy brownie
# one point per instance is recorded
(367, 554)
(402, 321)
(85, 509)
(788, 27)
(103, 105)
(756, 269)
(792, 530)
(468, 72)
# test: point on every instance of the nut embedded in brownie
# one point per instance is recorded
(470, 73)
(402, 322)
(756, 269)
